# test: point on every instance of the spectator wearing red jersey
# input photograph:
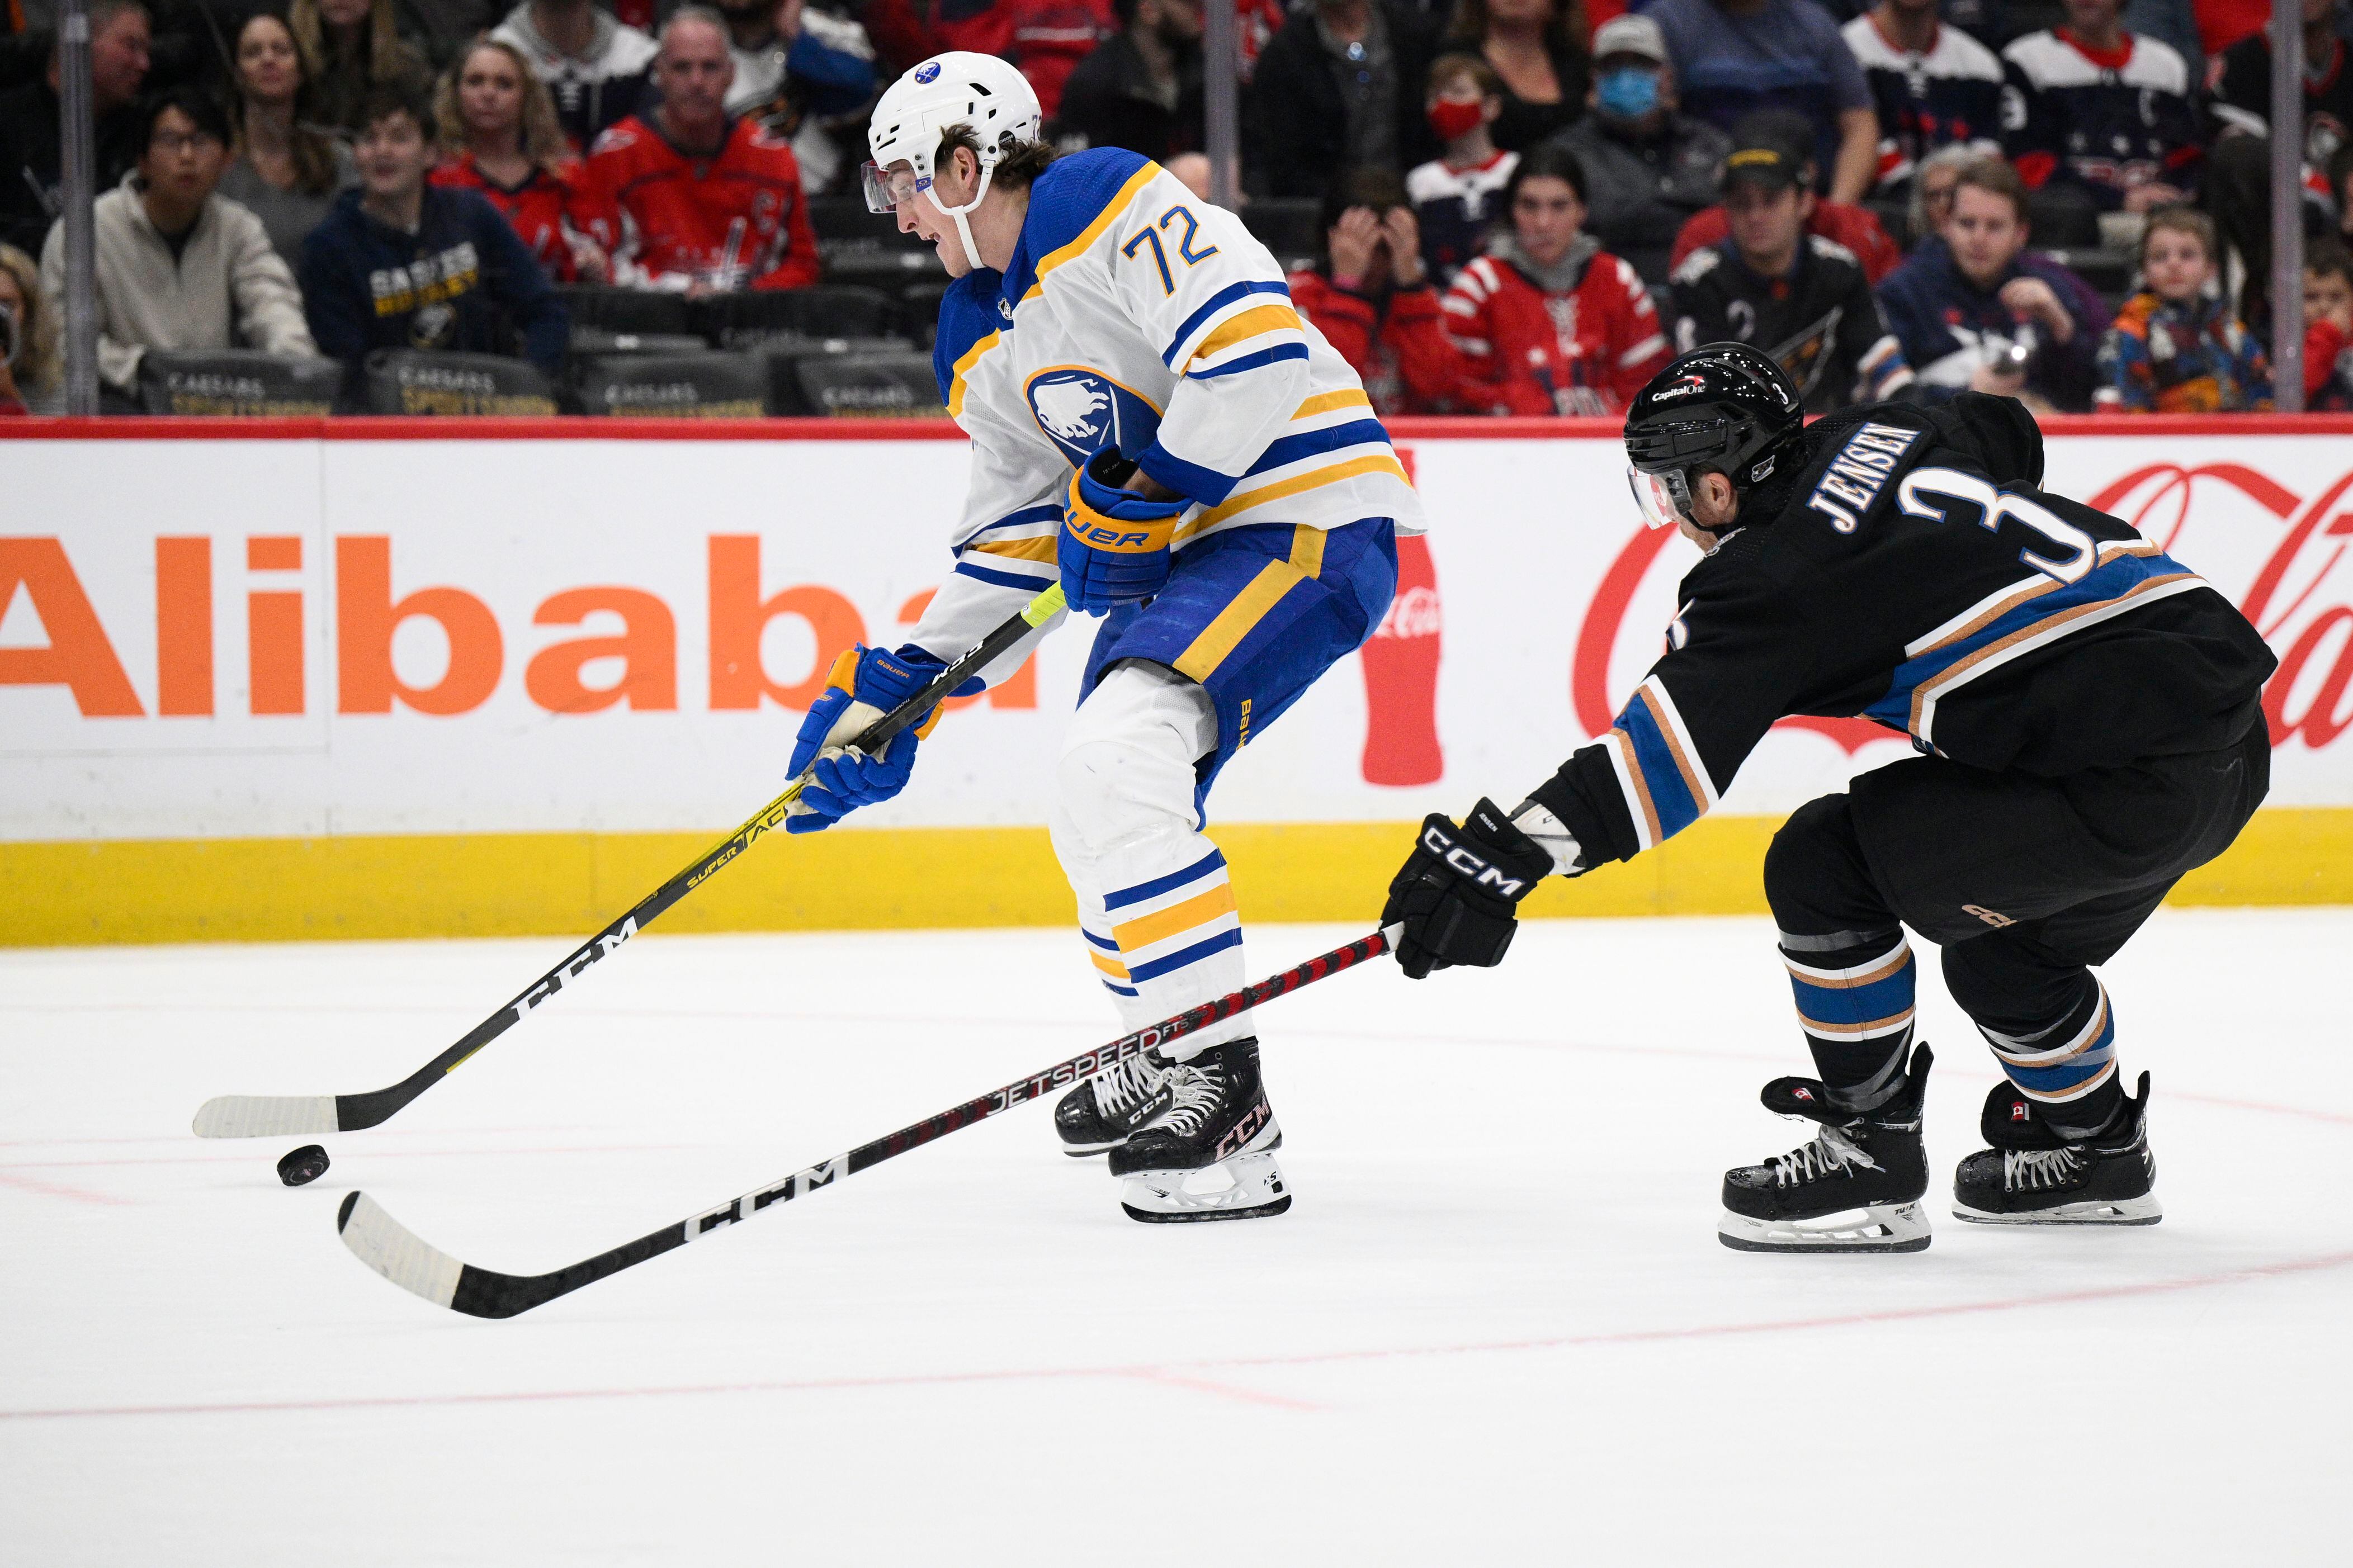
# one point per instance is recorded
(508, 147)
(1842, 223)
(685, 198)
(1371, 299)
(1547, 320)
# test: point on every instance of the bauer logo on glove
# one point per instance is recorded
(1114, 542)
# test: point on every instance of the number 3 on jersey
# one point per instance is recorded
(1994, 506)
(1185, 251)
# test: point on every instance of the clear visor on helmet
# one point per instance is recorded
(1665, 498)
(887, 188)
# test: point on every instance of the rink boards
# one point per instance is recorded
(410, 677)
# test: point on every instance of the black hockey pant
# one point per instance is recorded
(2025, 882)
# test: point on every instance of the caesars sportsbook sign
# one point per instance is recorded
(240, 637)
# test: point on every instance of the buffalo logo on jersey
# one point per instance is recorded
(1857, 474)
(1083, 412)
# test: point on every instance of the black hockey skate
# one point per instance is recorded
(1855, 1188)
(2033, 1176)
(1217, 1116)
(1102, 1113)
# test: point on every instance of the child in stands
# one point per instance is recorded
(2328, 328)
(2176, 347)
(1457, 195)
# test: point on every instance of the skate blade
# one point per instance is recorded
(1089, 1151)
(2142, 1210)
(1887, 1228)
(1167, 1197)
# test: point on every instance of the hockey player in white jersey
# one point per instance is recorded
(1153, 423)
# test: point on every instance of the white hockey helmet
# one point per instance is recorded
(988, 96)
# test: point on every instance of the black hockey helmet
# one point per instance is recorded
(1724, 406)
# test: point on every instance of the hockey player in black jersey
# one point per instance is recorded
(2084, 709)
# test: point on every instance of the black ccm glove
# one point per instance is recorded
(1459, 890)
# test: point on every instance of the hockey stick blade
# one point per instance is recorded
(389, 1247)
(270, 1116)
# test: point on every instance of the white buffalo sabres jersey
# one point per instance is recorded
(1137, 315)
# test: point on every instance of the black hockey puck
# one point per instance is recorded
(304, 1166)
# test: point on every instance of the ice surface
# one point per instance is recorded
(1496, 1326)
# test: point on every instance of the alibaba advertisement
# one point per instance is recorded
(255, 638)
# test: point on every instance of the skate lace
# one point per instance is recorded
(1827, 1155)
(2032, 1168)
(1127, 1085)
(1194, 1096)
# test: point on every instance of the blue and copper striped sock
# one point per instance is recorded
(1854, 995)
(2067, 1069)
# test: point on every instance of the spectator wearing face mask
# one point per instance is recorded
(1537, 48)
(1843, 223)
(1649, 167)
(1934, 87)
(1796, 297)
(1141, 87)
(180, 267)
(32, 377)
(1456, 195)
(1549, 322)
(1371, 299)
(31, 154)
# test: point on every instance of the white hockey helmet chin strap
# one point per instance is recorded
(930, 191)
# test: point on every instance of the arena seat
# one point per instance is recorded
(635, 311)
(242, 382)
(414, 381)
(707, 385)
(605, 340)
(870, 385)
(752, 318)
(784, 350)
(919, 312)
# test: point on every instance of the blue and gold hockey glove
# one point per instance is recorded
(1459, 891)
(865, 684)
(1115, 543)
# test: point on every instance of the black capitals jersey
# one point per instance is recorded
(1820, 321)
(1904, 568)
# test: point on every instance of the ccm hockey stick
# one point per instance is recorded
(268, 1116)
(390, 1248)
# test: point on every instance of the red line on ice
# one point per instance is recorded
(1183, 1373)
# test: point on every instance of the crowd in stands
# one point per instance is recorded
(1490, 206)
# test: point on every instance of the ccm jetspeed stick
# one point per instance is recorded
(271, 1116)
(389, 1247)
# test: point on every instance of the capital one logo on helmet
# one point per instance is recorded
(1683, 388)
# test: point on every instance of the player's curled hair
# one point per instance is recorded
(1018, 163)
